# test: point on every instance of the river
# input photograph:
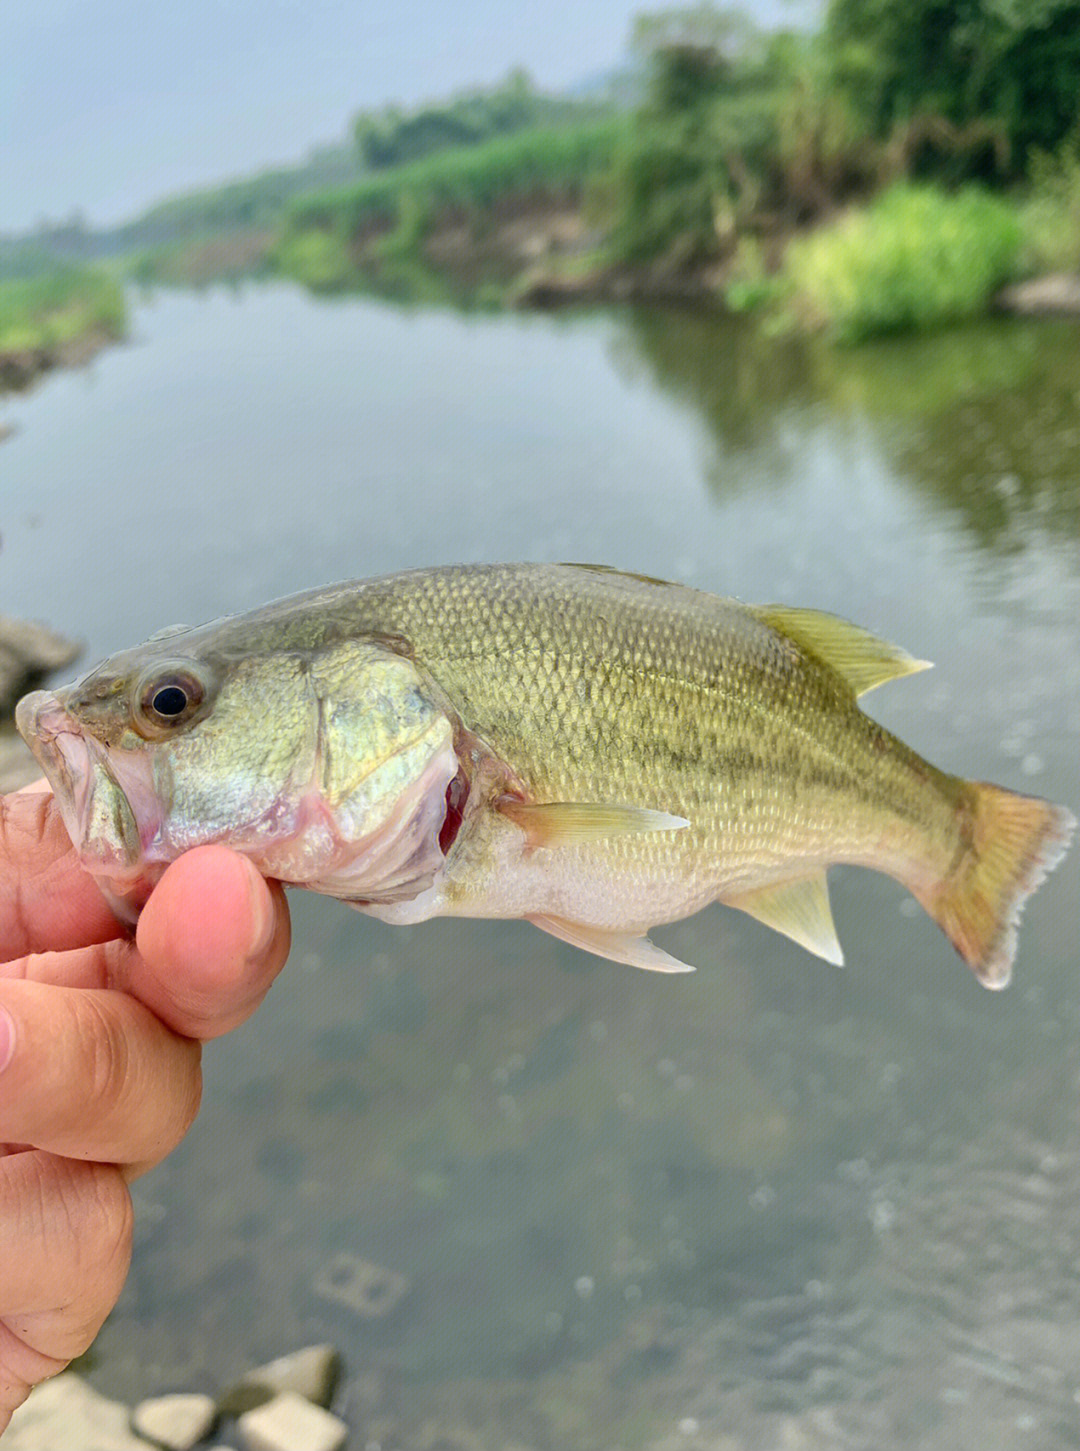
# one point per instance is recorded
(772, 1204)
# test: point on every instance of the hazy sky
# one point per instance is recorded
(106, 105)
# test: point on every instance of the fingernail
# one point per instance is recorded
(7, 1038)
(262, 913)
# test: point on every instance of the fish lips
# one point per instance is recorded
(94, 807)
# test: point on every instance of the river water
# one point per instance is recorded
(772, 1204)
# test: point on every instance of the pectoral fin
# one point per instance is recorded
(618, 946)
(800, 910)
(861, 658)
(566, 823)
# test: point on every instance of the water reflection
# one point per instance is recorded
(984, 420)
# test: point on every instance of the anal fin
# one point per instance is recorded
(615, 945)
(799, 909)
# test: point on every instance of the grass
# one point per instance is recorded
(915, 258)
(471, 177)
(52, 309)
(1052, 213)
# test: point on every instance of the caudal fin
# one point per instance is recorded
(1014, 842)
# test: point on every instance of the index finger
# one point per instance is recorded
(47, 900)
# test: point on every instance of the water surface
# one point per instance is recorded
(775, 1203)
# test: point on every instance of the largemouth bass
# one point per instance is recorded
(594, 751)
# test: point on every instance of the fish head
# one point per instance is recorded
(328, 764)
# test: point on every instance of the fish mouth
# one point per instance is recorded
(95, 809)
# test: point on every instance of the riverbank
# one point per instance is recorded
(544, 250)
(59, 317)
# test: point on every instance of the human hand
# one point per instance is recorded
(101, 1077)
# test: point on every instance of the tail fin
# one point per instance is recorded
(1013, 843)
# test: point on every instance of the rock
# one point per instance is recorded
(365, 1288)
(310, 1373)
(290, 1423)
(66, 1413)
(29, 652)
(17, 765)
(1057, 292)
(176, 1422)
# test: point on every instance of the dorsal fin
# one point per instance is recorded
(860, 657)
(799, 909)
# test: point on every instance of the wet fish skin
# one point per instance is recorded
(545, 688)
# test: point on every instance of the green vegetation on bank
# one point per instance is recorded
(1051, 211)
(321, 232)
(889, 170)
(914, 258)
(393, 137)
(49, 311)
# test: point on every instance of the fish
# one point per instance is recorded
(594, 751)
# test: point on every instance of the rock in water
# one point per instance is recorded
(17, 766)
(176, 1422)
(310, 1373)
(65, 1414)
(29, 652)
(365, 1288)
(290, 1423)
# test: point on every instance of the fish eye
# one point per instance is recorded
(166, 699)
(169, 700)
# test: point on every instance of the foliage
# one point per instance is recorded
(528, 162)
(1013, 65)
(914, 258)
(320, 260)
(58, 306)
(1052, 213)
(693, 154)
(750, 285)
(393, 137)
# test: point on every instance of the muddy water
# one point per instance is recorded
(771, 1204)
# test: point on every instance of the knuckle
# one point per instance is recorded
(99, 1225)
(104, 1050)
(77, 1221)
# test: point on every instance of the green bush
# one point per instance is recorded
(471, 177)
(54, 308)
(320, 260)
(914, 258)
(1052, 213)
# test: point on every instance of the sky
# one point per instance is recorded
(108, 105)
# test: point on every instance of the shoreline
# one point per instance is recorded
(540, 252)
(20, 367)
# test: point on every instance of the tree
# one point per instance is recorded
(1012, 63)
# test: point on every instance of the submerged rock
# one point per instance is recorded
(367, 1289)
(1058, 292)
(310, 1373)
(290, 1423)
(17, 765)
(28, 652)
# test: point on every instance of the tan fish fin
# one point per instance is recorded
(800, 910)
(861, 658)
(1013, 842)
(565, 823)
(618, 946)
